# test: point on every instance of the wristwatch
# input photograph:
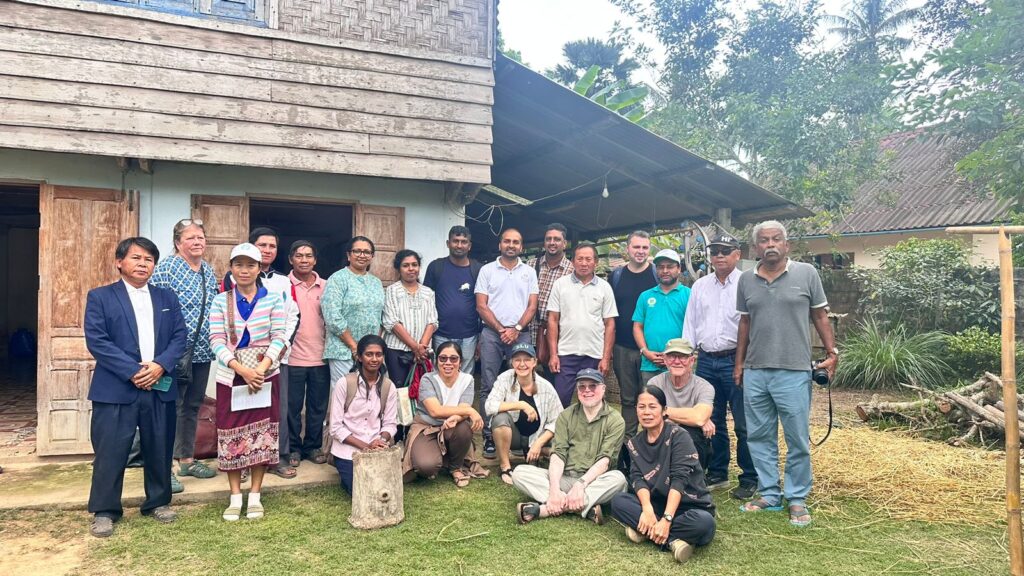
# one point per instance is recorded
(834, 351)
(518, 327)
(668, 517)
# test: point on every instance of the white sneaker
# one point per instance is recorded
(681, 550)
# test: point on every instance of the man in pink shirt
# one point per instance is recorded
(309, 378)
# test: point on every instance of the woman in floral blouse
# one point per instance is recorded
(352, 305)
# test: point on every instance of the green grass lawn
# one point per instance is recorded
(306, 532)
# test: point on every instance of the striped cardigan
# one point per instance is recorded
(266, 324)
(506, 389)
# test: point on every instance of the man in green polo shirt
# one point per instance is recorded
(659, 315)
(580, 478)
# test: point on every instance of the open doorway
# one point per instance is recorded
(327, 226)
(19, 317)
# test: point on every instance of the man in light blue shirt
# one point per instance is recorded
(659, 314)
(711, 325)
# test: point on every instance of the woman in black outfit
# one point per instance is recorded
(670, 504)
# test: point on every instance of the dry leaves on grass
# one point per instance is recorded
(908, 478)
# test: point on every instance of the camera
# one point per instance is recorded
(820, 375)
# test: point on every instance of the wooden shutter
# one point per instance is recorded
(79, 231)
(226, 220)
(385, 225)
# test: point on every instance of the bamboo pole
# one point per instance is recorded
(1009, 399)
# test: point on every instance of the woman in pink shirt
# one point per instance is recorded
(367, 421)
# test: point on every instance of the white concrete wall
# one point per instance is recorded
(984, 251)
(165, 195)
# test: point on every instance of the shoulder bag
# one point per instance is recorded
(251, 356)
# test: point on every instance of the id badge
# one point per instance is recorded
(163, 384)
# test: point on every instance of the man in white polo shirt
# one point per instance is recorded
(506, 299)
(581, 323)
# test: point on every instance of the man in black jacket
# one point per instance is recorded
(453, 280)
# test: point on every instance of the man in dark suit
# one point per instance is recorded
(136, 333)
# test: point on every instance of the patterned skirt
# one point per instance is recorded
(249, 437)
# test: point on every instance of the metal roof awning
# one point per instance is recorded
(556, 150)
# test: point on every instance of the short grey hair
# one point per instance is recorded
(769, 225)
(637, 234)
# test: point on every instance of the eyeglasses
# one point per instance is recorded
(676, 359)
(721, 251)
(584, 386)
(361, 252)
(448, 359)
(188, 222)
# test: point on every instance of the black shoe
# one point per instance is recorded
(716, 482)
(489, 448)
(162, 514)
(102, 526)
(744, 491)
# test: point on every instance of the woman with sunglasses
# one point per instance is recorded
(194, 282)
(367, 420)
(441, 436)
(523, 408)
(352, 305)
(669, 503)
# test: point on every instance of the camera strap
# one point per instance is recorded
(829, 431)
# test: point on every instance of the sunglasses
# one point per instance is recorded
(448, 359)
(582, 386)
(188, 222)
(721, 251)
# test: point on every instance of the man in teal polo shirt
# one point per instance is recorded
(659, 314)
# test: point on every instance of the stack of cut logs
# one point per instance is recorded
(977, 410)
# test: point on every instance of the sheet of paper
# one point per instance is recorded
(241, 399)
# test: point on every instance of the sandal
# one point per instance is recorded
(283, 470)
(195, 468)
(760, 505)
(527, 512)
(294, 459)
(317, 457)
(798, 511)
(506, 476)
(461, 478)
(232, 513)
(254, 511)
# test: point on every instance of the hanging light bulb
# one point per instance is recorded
(604, 193)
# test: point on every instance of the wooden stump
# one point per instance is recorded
(377, 490)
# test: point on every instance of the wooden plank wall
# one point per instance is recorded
(97, 83)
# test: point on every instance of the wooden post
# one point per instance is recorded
(377, 490)
(1009, 377)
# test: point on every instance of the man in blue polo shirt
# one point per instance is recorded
(659, 314)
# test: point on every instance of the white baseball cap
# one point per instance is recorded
(669, 254)
(248, 250)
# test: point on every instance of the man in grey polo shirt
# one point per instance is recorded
(506, 299)
(581, 323)
(690, 398)
(773, 364)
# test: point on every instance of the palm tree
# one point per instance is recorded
(870, 28)
(580, 55)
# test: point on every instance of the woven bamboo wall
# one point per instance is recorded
(460, 27)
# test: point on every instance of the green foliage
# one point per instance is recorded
(510, 52)
(875, 358)
(871, 29)
(581, 56)
(925, 285)
(974, 89)
(973, 351)
(616, 97)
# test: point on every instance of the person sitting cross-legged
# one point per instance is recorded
(670, 504)
(580, 478)
(523, 408)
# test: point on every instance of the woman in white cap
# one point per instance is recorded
(247, 334)
(523, 408)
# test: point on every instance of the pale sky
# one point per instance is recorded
(539, 28)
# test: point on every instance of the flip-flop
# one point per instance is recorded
(797, 511)
(760, 505)
(527, 512)
(506, 476)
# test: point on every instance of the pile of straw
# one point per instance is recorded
(907, 478)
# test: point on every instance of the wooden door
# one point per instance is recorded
(385, 225)
(226, 220)
(79, 231)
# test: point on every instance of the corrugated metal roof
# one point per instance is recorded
(548, 139)
(920, 190)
